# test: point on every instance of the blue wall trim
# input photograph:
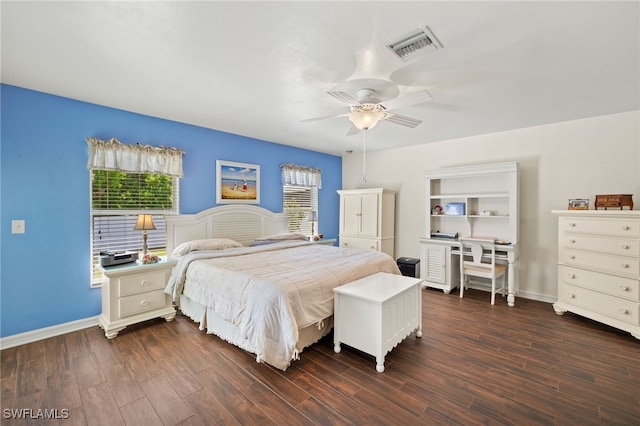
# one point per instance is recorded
(44, 278)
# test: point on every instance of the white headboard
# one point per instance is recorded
(241, 223)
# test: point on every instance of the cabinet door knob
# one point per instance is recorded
(144, 303)
(624, 287)
(623, 311)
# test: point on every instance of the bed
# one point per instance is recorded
(242, 277)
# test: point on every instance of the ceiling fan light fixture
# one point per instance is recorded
(365, 118)
(415, 44)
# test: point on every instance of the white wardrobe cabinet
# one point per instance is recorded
(367, 219)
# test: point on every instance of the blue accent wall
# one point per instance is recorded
(45, 273)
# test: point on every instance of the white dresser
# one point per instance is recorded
(599, 266)
(367, 219)
(134, 293)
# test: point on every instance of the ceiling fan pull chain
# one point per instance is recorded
(364, 153)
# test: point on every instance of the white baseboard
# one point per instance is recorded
(47, 332)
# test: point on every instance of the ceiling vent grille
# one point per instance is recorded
(415, 44)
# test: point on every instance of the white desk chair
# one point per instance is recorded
(472, 251)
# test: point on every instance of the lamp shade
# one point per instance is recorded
(365, 119)
(313, 216)
(144, 222)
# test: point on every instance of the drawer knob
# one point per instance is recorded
(572, 224)
(572, 257)
(144, 303)
(571, 296)
(623, 311)
(625, 247)
(571, 275)
(625, 227)
(625, 265)
(624, 287)
(572, 241)
(144, 283)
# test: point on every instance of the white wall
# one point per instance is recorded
(574, 159)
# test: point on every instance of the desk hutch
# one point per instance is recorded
(489, 195)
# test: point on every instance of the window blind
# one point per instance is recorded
(298, 201)
(117, 197)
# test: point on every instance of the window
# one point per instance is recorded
(300, 186)
(127, 180)
(117, 198)
(298, 201)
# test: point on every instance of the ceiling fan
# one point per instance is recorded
(365, 110)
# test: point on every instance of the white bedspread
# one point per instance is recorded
(271, 291)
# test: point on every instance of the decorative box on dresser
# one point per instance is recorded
(599, 266)
(133, 293)
(367, 219)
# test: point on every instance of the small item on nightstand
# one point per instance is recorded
(150, 258)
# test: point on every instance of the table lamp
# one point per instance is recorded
(313, 218)
(144, 223)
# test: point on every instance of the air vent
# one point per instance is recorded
(415, 45)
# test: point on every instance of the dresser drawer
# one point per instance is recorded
(620, 246)
(142, 303)
(613, 307)
(140, 283)
(359, 243)
(620, 227)
(626, 288)
(585, 259)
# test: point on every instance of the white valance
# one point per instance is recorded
(114, 155)
(295, 175)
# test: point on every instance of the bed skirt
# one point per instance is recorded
(212, 323)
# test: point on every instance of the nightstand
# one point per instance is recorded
(133, 293)
(326, 242)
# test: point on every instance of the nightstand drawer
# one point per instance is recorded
(145, 302)
(141, 283)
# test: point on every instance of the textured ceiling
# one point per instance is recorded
(260, 68)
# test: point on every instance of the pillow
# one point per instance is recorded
(291, 236)
(205, 244)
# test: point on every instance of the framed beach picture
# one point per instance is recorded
(237, 183)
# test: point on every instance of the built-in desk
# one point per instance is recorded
(440, 264)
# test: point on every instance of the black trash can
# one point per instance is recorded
(409, 266)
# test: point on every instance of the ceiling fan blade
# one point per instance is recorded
(345, 97)
(402, 120)
(406, 100)
(324, 117)
(353, 130)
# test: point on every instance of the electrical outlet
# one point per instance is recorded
(17, 226)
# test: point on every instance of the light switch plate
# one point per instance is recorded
(17, 226)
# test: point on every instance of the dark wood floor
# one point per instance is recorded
(475, 364)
